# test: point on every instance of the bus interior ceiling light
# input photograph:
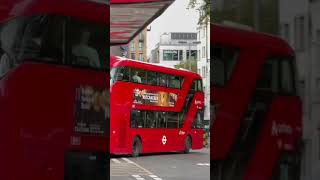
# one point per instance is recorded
(129, 17)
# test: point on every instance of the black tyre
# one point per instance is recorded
(187, 145)
(136, 147)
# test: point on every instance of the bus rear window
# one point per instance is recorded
(222, 66)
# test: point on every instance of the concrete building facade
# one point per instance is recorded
(174, 47)
(203, 65)
(300, 27)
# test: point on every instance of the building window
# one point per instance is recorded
(141, 38)
(286, 32)
(180, 55)
(132, 46)
(133, 56)
(203, 32)
(299, 39)
(193, 56)
(140, 46)
(141, 58)
(203, 71)
(170, 55)
(318, 35)
(203, 52)
(319, 142)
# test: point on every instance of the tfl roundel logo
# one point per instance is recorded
(164, 140)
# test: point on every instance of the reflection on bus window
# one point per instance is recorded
(151, 119)
(172, 119)
(162, 122)
(137, 119)
(158, 119)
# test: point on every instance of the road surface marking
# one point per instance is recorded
(140, 178)
(127, 160)
(126, 167)
(203, 164)
(115, 160)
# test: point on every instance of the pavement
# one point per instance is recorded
(169, 166)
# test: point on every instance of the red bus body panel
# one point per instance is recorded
(37, 101)
(121, 96)
(254, 49)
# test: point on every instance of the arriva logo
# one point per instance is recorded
(278, 129)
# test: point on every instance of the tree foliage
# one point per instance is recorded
(203, 6)
(186, 65)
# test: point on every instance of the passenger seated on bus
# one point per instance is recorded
(163, 82)
(83, 52)
(136, 78)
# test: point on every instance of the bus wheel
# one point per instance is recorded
(136, 147)
(187, 145)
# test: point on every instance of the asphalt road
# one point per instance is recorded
(173, 166)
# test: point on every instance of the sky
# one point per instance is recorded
(177, 18)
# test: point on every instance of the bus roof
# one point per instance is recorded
(116, 61)
(242, 38)
(92, 10)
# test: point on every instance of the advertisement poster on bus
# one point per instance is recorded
(154, 98)
(92, 110)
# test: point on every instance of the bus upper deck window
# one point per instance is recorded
(84, 53)
(87, 44)
(138, 76)
(174, 82)
(162, 80)
(224, 59)
(152, 78)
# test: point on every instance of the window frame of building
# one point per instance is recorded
(169, 55)
(132, 46)
(299, 32)
(133, 55)
(194, 55)
(140, 46)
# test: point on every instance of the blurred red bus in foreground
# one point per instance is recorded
(54, 89)
(256, 130)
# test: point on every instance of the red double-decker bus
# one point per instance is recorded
(258, 114)
(154, 108)
(54, 89)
